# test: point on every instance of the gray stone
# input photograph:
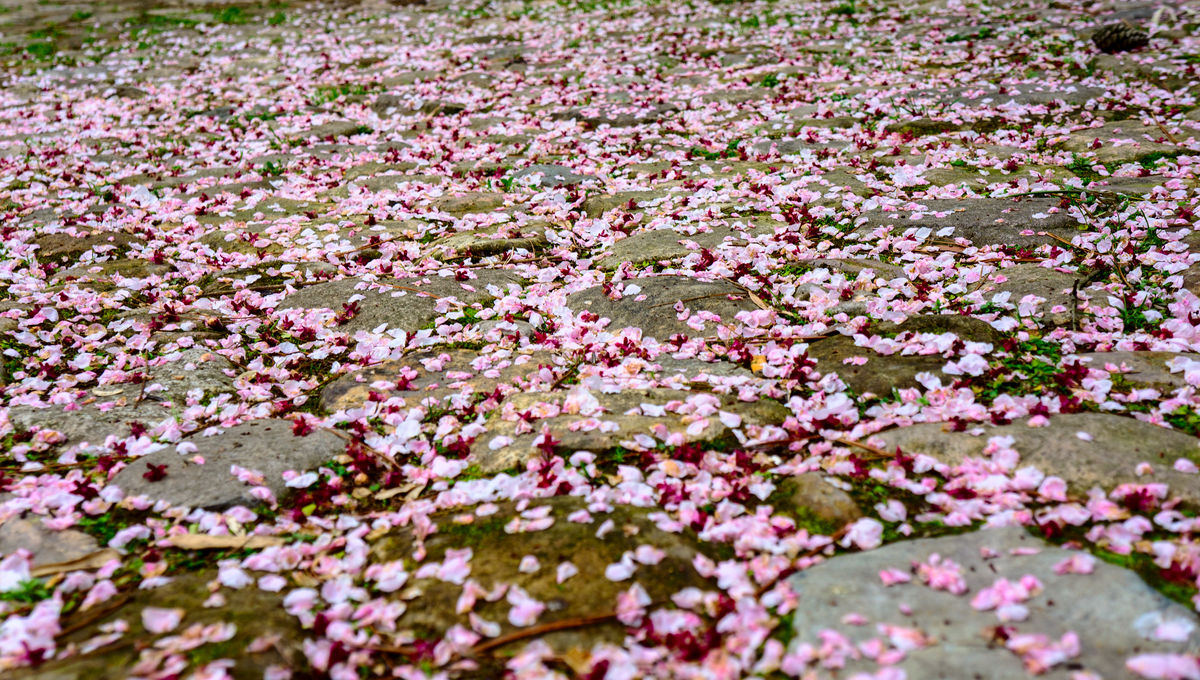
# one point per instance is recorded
(595, 206)
(922, 127)
(814, 503)
(489, 241)
(1122, 141)
(109, 409)
(64, 247)
(497, 555)
(331, 130)
(196, 368)
(851, 268)
(656, 314)
(1146, 369)
(253, 612)
(270, 277)
(279, 205)
(374, 168)
(265, 446)
(105, 276)
(619, 116)
(549, 176)
(458, 375)
(89, 426)
(405, 304)
(1117, 445)
(1107, 608)
(624, 408)
(660, 245)
(738, 96)
(984, 221)
(47, 545)
(667, 366)
(1055, 287)
(470, 202)
(1027, 94)
(881, 374)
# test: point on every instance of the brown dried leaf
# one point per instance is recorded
(93, 560)
(206, 542)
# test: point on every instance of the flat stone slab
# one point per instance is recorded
(814, 503)
(89, 426)
(549, 176)
(109, 409)
(435, 374)
(662, 245)
(490, 241)
(470, 202)
(1122, 141)
(1145, 369)
(633, 201)
(1054, 287)
(652, 307)
(1117, 444)
(582, 420)
(246, 614)
(64, 247)
(47, 545)
(266, 446)
(501, 542)
(405, 304)
(1111, 610)
(881, 374)
(983, 221)
(196, 370)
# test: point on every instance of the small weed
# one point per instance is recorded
(846, 9)
(330, 93)
(161, 21)
(41, 50)
(982, 34)
(277, 19)
(1151, 160)
(30, 591)
(1082, 168)
(231, 15)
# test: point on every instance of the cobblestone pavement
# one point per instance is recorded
(591, 339)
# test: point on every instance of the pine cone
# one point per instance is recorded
(1120, 37)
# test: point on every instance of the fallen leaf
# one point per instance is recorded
(580, 660)
(758, 301)
(93, 560)
(206, 542)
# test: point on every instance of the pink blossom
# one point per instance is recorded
(524, 610)
(157, 620)
(942, 574)
(1165, 666)
(865, 534)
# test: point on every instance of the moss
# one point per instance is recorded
(1177, 589)
(230, 649)
(1151, 160)
(473, 533)
(104, 527)
(27, 592)
(806, 519)
(1143, 565)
